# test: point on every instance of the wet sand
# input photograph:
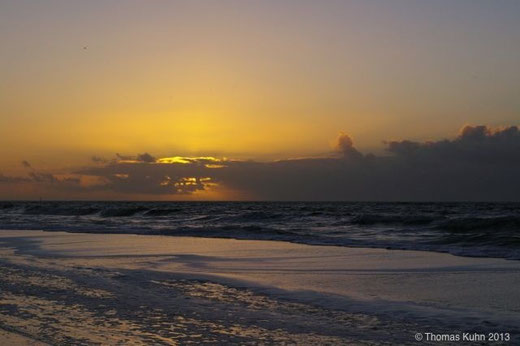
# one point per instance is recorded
(13, 338)
(107, 288)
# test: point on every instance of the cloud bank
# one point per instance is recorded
(481, 163)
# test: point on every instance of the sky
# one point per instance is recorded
(258, 99)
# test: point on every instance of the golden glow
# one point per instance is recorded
(216, 163)
(130, 161)
(190, 184)
(166, 181)
(180, 82)
(185, 159)
(186, 181)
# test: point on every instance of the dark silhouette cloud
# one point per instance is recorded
(40, 177)
(124, 157)
(478, 144)
(12, 180)
(479, 164)
(147, 177)
(98, 159)
(345, 145)
(145, 157)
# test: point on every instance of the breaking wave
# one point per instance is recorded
(467, 229)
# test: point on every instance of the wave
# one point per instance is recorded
(258, 217)
(235, 232)
(6, 205)
(162, 212)
(59, 210)
(468, 224)
(373, 219)
(464, 229)
(121, 212)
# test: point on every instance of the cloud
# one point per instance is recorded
(37, 176)
(144, 176)
(40, 177)
(124, 157)
(98, 159)
(12, 180)
(145, 157)
(481, 163)
(345, 145)
(478, 144)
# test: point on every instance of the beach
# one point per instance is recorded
(75, 288)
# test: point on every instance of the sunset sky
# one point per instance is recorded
(250, 83)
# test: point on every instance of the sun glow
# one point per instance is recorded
(186, 160)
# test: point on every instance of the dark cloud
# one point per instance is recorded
(97, 159)
(145, 158)
(345, 145)
(479, 164)
(12, 180)
(478, 144)
(40, 177)
(151, 178)
(61, 183)
(124, 157)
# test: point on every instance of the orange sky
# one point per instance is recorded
(247, 80)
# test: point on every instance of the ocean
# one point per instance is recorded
(464, 229)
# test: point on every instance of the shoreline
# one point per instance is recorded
(11, 337)
(378, 290)
(458, 252)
